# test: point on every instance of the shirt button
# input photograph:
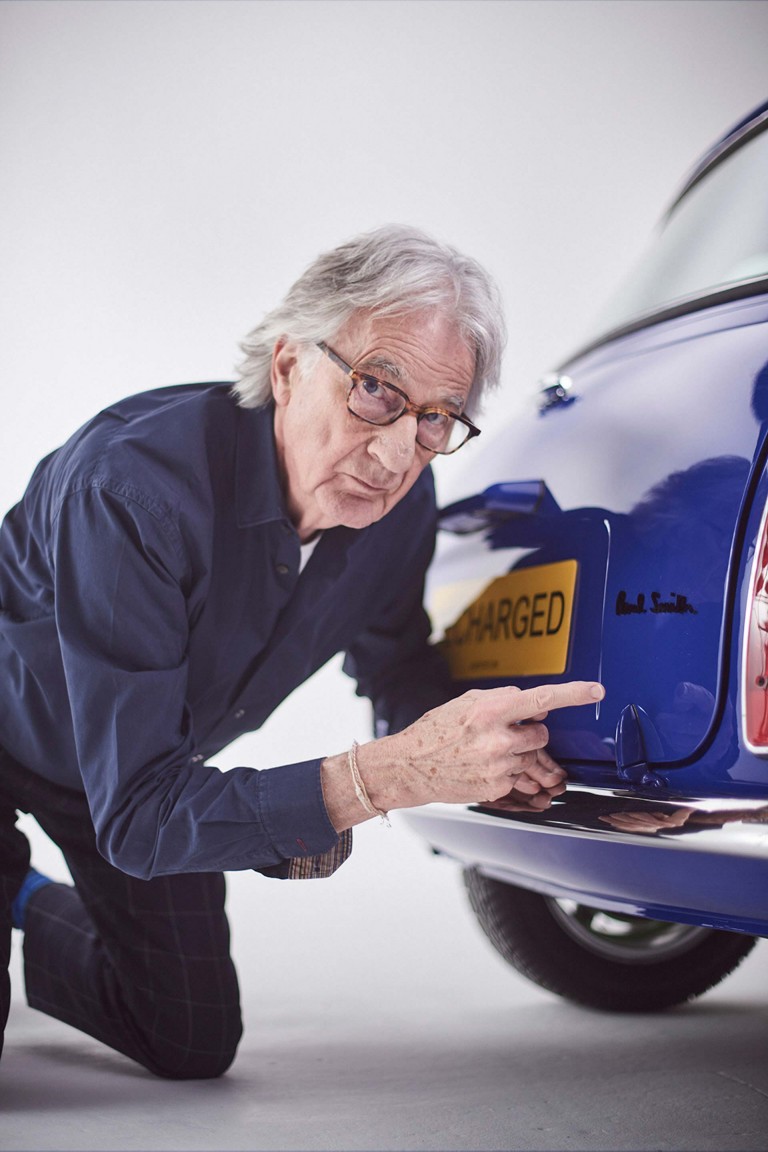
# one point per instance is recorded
(282, 569)
(196, 759)
(240, 713)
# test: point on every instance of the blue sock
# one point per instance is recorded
(32, 881)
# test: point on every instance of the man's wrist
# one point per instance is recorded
(341, 790)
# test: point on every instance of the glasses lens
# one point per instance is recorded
(373, 401)
(440, 433)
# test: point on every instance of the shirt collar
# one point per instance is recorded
(258, 493)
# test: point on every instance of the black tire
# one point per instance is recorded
(603, 960)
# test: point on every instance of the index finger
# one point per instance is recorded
(525, 704)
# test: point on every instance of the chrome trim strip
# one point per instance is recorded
(718, 154)
(713, 825)
(683, 306)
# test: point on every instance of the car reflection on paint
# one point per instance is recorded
(619, 532)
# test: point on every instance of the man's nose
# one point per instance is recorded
(394, 445)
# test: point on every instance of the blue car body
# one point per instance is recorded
(617, 532)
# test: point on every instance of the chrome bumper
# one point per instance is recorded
(702, 862)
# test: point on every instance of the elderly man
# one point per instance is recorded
(172, 573)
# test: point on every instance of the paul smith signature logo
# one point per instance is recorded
(677, 606)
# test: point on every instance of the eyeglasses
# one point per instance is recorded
(378, 402)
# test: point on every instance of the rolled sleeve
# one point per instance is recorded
(322, 866)
(294, 813)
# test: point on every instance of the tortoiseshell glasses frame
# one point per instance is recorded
(378, 402)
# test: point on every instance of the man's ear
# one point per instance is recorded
(283, 370)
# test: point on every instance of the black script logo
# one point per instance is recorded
(679, 605)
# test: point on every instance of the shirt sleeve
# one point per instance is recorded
(121, 585)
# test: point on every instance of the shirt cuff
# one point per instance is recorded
(293, 810)
(320, 867)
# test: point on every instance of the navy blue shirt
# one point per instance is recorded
(152, 610)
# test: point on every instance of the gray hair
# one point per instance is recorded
(394, 270)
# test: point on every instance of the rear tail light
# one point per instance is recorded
(755, 682)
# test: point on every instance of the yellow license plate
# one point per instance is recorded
(520, 625)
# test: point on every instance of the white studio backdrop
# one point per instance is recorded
(170, 166)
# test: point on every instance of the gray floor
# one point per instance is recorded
(377, 1017)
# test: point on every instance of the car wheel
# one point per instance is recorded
(605, 960)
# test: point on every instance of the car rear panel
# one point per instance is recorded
(629, 565)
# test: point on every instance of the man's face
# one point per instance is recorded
(336, 469)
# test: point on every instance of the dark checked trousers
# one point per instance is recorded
(142, 965)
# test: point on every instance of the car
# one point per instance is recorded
(617, 530)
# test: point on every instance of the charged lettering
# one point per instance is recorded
(508, 619)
